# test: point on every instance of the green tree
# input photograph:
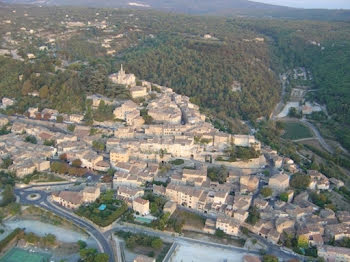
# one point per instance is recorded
(59, 119)
(82, 244)
(284, 196)
(219, 233)
(76, 163)
(293, 112)
(300, 181)
(49, 142)
(31, 139)
(6, 162)
(71, 127)
(101, 257)
(157, 243)
(131, 242)
(14, 208)
(59, 167)
(218, 174)
(266, 192)
(88, 254)
(44, 92)
(253, 216)
(303, 242)
(27, 87)
(98, 145)
(31, 238)
(8, 195)
(314, 166)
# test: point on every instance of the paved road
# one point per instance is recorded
(44, 185)
(314, 130)
(318, 136)
(170, 252)
(104, 245)
(42, 201)
(279, 106)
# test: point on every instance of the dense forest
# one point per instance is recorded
(168, 50)
(62, 91)
(205, 72)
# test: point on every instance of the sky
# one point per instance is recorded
(329, 4)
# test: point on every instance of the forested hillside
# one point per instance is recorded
(228, 66)
(205, 72)
(165, 49)
(294, 45)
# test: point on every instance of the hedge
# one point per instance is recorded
(7, 240)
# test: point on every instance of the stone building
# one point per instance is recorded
(141, 206)
(121, 78)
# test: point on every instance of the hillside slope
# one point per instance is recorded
(208, 7)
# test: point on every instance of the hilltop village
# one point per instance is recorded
(160, 143)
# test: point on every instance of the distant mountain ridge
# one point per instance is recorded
(186, 6)
(204, 7)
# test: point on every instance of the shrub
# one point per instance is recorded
(15, 234)
(219, 233)
(31, 139)
(269, 258)
(177, 162)
(50, 142)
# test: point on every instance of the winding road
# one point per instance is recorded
(318, 136)
(279, 107)
(42, 201)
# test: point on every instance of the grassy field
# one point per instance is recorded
(294, 131)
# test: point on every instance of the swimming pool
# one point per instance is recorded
(143, 220)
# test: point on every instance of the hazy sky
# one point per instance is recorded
(331, 4)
